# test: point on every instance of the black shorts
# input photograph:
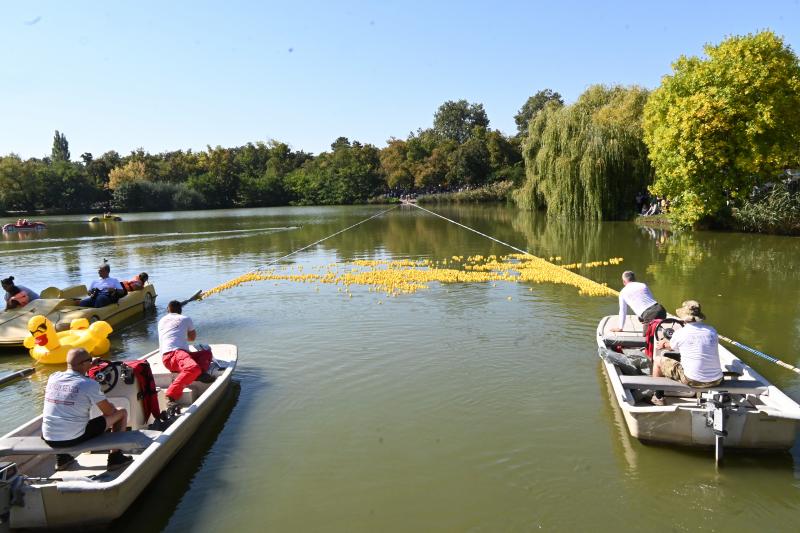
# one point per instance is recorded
(653, 312)
(94, 427)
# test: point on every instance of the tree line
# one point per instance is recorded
(712, 141)
(459, 150)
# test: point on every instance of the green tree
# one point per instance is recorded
(587, 160)
(60, 151)
(395, 164)
(457, 120)
(719, 125)
(533, 105)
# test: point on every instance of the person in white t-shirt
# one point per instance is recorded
(175, 332)
(698, 345)
(103, 291)
(638, 296)
(68, 400)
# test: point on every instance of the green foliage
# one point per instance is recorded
(349, 174)
(155, 196)
(719, 125)
(60, 151)
(775, 211)
(457, 120)
(499, 191)
(587, 160)
(533, 105)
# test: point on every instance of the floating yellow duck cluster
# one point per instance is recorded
(407, 276)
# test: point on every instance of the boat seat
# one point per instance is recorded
(736, 386)
(624, 341)
(127, 440)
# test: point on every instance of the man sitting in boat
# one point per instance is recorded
(698, 345)
(175, 332)
(104, 291)
(68, 400)
(17, 295)
(638, 296)
(136, 283)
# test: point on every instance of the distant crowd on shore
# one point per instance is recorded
(647, 205)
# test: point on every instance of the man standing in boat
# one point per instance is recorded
(68, 400)
(638, 296)
(698, 345)
(175, 332)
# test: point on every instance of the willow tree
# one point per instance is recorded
(587, 160)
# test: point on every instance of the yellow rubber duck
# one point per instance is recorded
(49, 347)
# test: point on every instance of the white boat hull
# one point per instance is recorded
(78, 501)
(768, 420)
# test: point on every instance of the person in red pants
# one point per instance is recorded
(175, 332)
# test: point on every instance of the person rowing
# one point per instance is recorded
(637, 295)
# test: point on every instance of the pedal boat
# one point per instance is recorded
(744, 411)
(60, 306)
(106, 218)
(86, 494)
(28, 226)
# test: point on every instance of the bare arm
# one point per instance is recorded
(106, 407)
(191, 335)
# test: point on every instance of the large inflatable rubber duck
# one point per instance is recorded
(50, 347)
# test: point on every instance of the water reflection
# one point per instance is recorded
(475, 411)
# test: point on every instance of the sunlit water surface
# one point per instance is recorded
(464, 407)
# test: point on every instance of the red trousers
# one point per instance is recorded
(189, 364)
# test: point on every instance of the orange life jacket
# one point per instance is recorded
(134, 284)
(21, 298)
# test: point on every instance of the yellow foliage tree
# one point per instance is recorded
(129, 172)
(719, 125)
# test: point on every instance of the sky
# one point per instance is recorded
(186, 74)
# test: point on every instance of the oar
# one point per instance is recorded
(761, 354)
(193, 297)
(11, 376)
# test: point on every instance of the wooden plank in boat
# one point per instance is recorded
(737, 386)
(127, 440)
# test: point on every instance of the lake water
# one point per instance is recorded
(452, 409)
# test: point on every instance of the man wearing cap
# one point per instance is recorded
(698, 345)
(638, 296)
(103, 291)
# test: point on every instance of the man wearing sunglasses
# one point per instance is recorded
(68, 400)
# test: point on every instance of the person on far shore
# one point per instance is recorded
(638, 296)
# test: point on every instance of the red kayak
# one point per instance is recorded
(24, 225)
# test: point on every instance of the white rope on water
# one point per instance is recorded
(201, 295)
(322, 240)
(472, 230)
